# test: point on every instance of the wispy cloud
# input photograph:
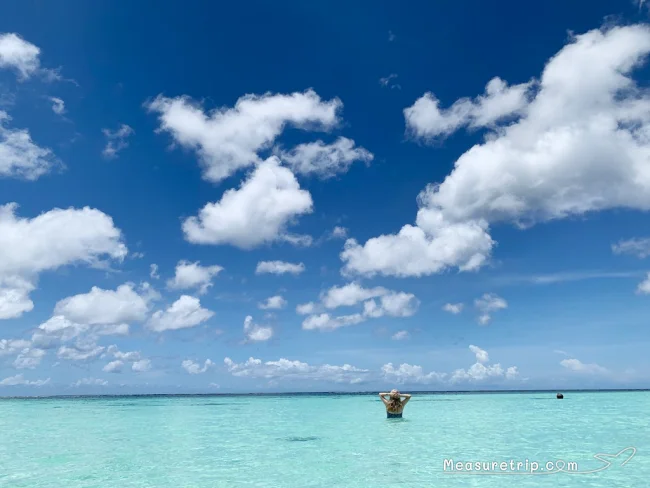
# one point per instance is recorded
(388, 82)
(116, 140)
(566, 276)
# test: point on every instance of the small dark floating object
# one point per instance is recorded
(559, 396)
(302, 439)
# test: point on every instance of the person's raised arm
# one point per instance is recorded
(382, 395)
(407, 397)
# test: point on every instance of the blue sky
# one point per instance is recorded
(431, 196)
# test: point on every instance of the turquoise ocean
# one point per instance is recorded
(328, 440)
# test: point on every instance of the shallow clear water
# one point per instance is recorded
(321, 441)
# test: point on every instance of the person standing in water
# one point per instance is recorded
(394, 404)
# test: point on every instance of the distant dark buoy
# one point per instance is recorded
(559, 396)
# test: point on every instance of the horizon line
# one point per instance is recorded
(321, 393)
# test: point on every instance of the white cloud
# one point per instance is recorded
(183, 313)
(636, 247)
(388, 82)
(153, 273)
(29, 358)
(19, 379)
(644, 286)
(31, 246)
(587, 114)
(258, 212)
(141, 366)
(273, 303)
(90, 382)
(116, 140)
(425, 119)
(306, 308)
(349, 295)
(58, 105)
(394, 304)
(14, 297)
(580, 367)
(295, 370)
(18, 54)
(123, 356)
(256, 333)
(79, 353)
(454, 308)
(339, 232)
(12, 346)
(37, 244)
(193, 275)
(229, 139)
(59, 329)
(20, 157)
(192, 367)
(325, 322)
(400, 335)
(324, 160)
(512, 373)
(481, 354)
(114, 366)
(391, 303)
(104, 307)
(407, 373)
(480, 371)
(488, 304)
(279, 267)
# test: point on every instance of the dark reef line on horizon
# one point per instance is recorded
(332, 393)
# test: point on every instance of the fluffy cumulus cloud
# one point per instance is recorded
(279, 268)
(425, 119)
(255, 332)
(324, 160)
(14, 297)
(256, 213)
(141, 366)
(183, 313)
(105, 307)
(377, 302)
(29, 246)
(12, 346)
(577, 366)
(577, 142)
(19, 55)
(229, 139)
(20, 157)
(478, 372)
(349, 295)
(487, 305)
(453, 308)
(295, 370)
(192, 367)
(116, 140)
(193, 275)
(29, 358)
(276, 302)
(644, 287)
(408, 373)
